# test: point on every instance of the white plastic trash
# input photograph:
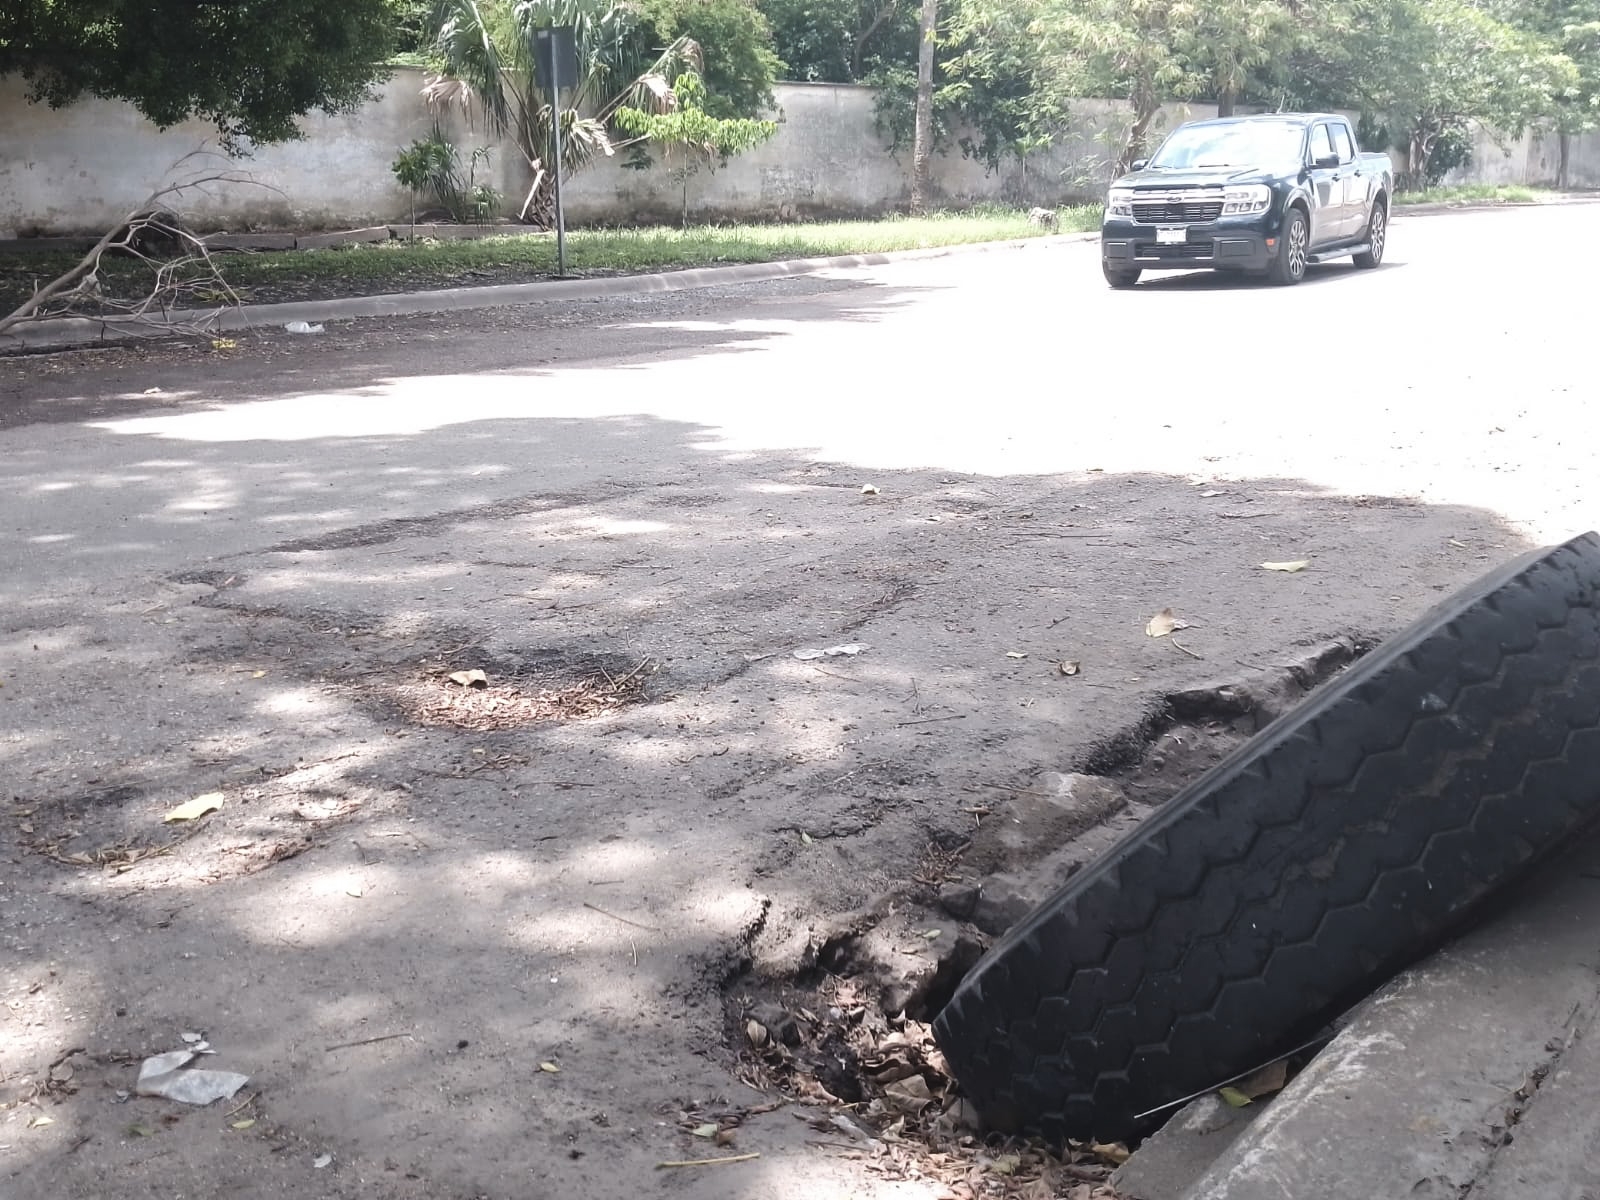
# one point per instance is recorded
(302, 327)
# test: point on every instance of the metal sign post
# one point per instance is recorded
(555, 61)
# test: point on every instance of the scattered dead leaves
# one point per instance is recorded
(472, 702)
(877, 1089)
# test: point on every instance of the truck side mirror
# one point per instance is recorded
(1326, 163)
(1139, 164)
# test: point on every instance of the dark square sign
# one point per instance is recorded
(555, 58)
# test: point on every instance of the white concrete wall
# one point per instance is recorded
(82, 168)
(1531, 161)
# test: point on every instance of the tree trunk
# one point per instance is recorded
(1226, 101)
(922, 145)
(1564, 151)
(1145, 108)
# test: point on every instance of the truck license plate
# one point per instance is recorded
(1171, 237)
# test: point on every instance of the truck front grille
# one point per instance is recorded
(1190, 206)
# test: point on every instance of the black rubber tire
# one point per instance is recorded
(1341, 843)
(1120, 279)
(1289, 268)
(1377, 236)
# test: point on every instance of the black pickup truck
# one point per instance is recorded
(1266, 195)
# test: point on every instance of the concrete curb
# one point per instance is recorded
(1419, 1093)
(72, 332)
(1433, 210)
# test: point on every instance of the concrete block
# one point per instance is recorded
(250, 241)
(1428, 1080)
(341, 237)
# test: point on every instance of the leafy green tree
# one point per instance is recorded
(1230, 42)
(486, 64)
(842, 41)
(691, 137)
(998, 84)
(735, 42)
(1436, 65)
(994, 96)
(1571, 29)
(251, 67)
(1143, 50)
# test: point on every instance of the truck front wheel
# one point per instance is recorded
(1290, 265)
(1120, 279)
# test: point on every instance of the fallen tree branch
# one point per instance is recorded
(191, 273)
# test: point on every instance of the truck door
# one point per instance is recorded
(1356, 185)
(1327, 188)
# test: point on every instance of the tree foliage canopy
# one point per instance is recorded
(252, 67)
(738, 65)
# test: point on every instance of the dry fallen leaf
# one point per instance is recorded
(141, 1131)
(1006, 1164)
(469, 679)
(321, 1161)
(910, 1095)
(40, 1122)
(549, 1068)
(257, 674)
(805, 838)
(244, 1124)
(868, 490)
(931, 934)
(1299, 564)
(1164, 623)
(26, 827)
(194, 809)
(1070, 667)
(1016, 654)
(756, 1032)
(708, 1130)
(1111, 1152)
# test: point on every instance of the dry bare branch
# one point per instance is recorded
(177, 280)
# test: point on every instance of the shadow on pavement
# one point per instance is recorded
(485, 897)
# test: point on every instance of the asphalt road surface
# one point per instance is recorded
(246, 572)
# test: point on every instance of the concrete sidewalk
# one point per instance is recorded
(1473, 1074)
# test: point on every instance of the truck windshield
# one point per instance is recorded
(1247, 144)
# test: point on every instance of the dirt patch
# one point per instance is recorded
(475, 701)
(847, 1027)
(877, 1085)
(1191, 731)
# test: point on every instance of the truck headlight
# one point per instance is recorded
(1119, 203)
(1253, 199)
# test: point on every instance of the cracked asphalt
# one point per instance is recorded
(225, 570)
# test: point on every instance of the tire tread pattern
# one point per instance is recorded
(1339, 844)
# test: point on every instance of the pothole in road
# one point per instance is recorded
(515, 696)
(435, 676)
(846, 1027)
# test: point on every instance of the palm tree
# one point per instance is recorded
(486, 51)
